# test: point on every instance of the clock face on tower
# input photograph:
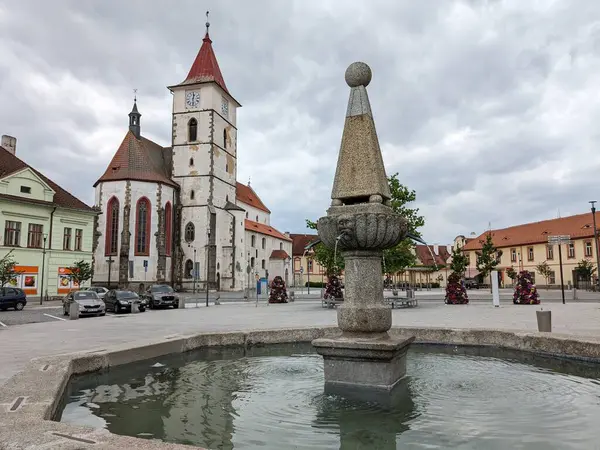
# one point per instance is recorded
(192, 99)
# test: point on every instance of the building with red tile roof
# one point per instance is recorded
(177, 214)
(45, 228)
(525, 247)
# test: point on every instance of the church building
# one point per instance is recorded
(176, 214)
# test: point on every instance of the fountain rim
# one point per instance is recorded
(46, 379)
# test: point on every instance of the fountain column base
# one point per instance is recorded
(356, 362)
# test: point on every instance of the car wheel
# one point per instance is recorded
(19, 306)
(3, 309)
(141, 309)
(151, 304)
(116, 308)
(102, 314)
(175, 306)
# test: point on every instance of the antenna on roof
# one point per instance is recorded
(249, 180)
(207, 22)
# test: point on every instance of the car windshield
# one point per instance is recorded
(83, 295)
(161, 288)
(126, 294)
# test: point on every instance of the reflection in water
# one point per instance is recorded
(273, 398)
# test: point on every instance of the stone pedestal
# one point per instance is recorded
(73, 310)
(363, 362)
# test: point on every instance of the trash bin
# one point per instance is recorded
(544, 321)
(73, 310)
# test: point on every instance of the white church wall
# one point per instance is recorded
(255, 214)
(228, 140)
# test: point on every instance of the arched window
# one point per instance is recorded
(112, 227)
(168, 228)
(252, 262)
(191, 161)
(257, 218)
(253, 241)
(192, 195)
(142, 227)
(281, 246)
(264, 243)
(224, 138)
(192, 130)
(246, 214)
(189, 269)
(190, 232)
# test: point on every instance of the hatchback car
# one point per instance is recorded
(12, 298)
(121, 301)
(89, 303)
(100, 290)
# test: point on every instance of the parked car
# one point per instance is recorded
(100, 290)
(121, 301)
(471, 283)
(89, 303)
(12, 298)
(161, 296)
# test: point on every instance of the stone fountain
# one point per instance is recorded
(362, 224)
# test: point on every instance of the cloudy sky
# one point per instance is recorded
(490, 110)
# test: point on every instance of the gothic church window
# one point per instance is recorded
(192, 195)
(112, 227)
(168, 228)
(189, 269)
(193, 130)
(142, 227)
(190, 232)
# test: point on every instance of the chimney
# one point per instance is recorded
(287, 234)
(435, 249)
(9, 143)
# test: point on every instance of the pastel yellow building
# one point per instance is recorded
(524, 247)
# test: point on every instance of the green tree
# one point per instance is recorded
(511, 273)
(7, 269)
(487, 258)
(585, 269)
(396, 259)
(544, 270)
(80, 272)
(459, 261)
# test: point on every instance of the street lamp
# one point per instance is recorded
(43, 268)
(592, 202)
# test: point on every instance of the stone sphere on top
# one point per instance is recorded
(358, 74)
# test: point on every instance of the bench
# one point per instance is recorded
(331, 302)
(401, 302)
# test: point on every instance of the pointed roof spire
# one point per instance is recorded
(134, 117)
(205, 67)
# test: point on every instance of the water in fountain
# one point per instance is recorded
(272, 398)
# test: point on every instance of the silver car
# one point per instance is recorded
(89, 303)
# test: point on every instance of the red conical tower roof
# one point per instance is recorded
(206, 67)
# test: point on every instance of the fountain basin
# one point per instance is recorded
(272, 398)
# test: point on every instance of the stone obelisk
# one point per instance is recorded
(362, 222)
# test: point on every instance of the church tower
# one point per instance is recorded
(204, 165)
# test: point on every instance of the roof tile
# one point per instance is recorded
(279, 254)
(246, 194)
(577, 226)
(262, 228)
(205, 67)
(300, 241)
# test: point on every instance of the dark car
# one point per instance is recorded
(12, 298)
(471, 283)
(121, 301)
(161, 296)
(88, 301)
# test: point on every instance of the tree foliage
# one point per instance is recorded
(7, 269)
(487, 258)
(511, 273)
(459, 261)
(585, 268)
(80, 272)
(398, 258)
(544, 270)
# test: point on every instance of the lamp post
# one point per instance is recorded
(195, 274)
(592, 202)
(43, 268)
(109, 261)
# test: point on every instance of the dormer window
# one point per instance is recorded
(26, 189)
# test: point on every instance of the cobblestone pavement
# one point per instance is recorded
(21, 343)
